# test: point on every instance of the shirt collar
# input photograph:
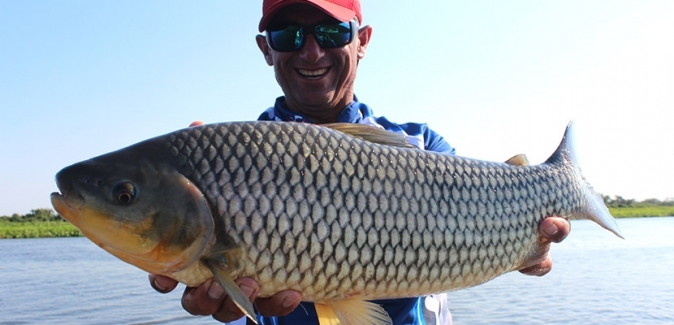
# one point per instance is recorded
(352, 113)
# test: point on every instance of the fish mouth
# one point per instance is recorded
(68, 205)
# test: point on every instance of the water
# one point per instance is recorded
(597, 279)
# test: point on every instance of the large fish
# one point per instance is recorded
(343, 213)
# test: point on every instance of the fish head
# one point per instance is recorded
(145, 213)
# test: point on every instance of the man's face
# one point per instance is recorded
(316, 81)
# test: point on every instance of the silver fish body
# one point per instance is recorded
(309, 208)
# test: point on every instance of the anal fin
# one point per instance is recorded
(351, 312)
(536, 256)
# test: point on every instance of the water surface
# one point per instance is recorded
(597, 279)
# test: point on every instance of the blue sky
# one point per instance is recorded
(496, 78)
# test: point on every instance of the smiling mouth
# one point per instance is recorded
(313, 73)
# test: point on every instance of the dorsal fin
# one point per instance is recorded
(372, 134)
(518, 160)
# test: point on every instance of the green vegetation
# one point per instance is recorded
(36, 224)
(622, 208)
(46, 223)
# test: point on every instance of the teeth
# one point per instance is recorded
(312, 73)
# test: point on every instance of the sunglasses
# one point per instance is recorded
(328, 36)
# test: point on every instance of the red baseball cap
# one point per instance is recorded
(342, 10)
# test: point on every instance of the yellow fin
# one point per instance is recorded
(351, 312)
(518, 160)
(232, 289)
(371, 134)
(326, 316)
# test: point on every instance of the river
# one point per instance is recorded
(597, 279)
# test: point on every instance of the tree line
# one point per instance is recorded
(34, 215)
(617, 201)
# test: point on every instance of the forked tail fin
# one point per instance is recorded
(593, 208)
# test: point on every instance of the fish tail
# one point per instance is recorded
(596, 210)
(593, 207)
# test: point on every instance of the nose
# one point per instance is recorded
(311, 51)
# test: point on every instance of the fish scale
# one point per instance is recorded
(305, 197)
(341, 213)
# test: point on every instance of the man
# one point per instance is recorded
(314, 47)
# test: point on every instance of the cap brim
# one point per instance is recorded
(338, 12)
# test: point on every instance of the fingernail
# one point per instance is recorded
(160, 285)
(247, 291)
(215, 292)
(551, 229)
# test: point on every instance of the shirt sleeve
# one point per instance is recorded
(435, 142)
(432, 140)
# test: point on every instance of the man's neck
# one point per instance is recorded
(320, 114)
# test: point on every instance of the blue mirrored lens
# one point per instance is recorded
(331, 36)
(287, 39)
(291, 38)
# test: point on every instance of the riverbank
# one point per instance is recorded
(642, 211)
(37, 229)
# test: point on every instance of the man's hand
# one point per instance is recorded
(209, 299)
(554, 229)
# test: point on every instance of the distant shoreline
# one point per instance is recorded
(642, 211)
(37, 229)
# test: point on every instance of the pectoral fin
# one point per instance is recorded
(232, 289)
(351, 312)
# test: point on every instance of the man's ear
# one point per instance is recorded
(364, 34)
(264, 48)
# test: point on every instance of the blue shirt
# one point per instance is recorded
(418, 134)
(404, 311)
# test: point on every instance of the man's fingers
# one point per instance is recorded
(198, 301)
(229, 311)
(280, 304)
(540, 269)
(161, 283)
(210, 299)
(196, 123)
(555, 229)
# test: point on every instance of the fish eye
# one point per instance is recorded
(124, 193)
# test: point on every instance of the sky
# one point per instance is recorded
(81, 78)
